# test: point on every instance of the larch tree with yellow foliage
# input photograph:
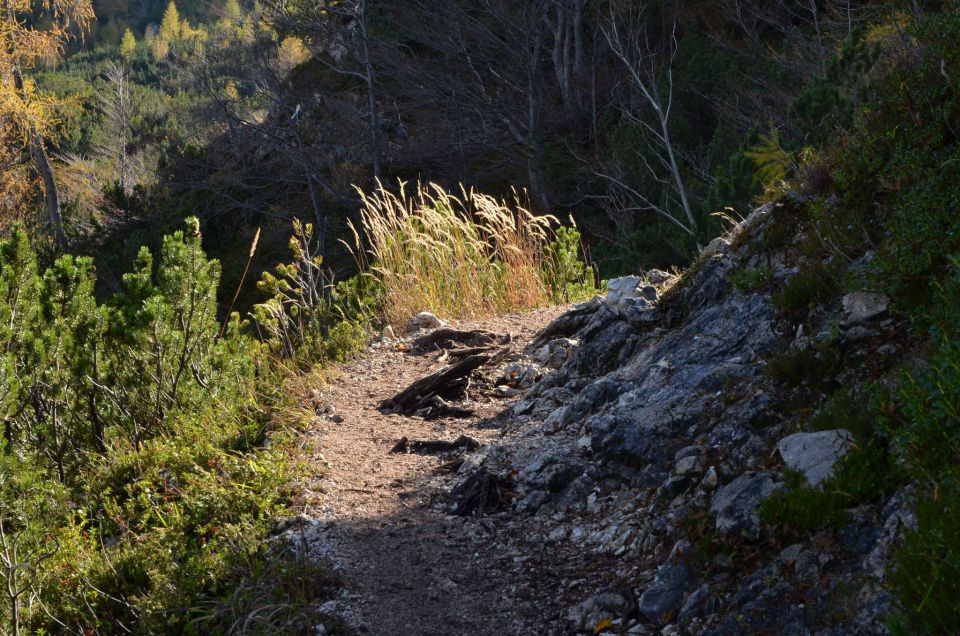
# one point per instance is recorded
(170, 26)
(28, 117)
(128, 45)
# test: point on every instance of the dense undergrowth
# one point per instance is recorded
(890, 187)
(144, 456)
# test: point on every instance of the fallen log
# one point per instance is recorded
(568, 324)
(449, 338)
(434, 446)
(450, 383)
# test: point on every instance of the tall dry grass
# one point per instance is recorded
(458, 256)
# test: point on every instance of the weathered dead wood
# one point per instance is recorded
(448, 338)
(434, 446)
(568, 324)
(449, 383)
(469, 351)
(482, 493)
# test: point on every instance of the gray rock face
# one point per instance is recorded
(657, 276)
(553, 354)
(815, 454)
(589, 613)
(665, 595)
(646, 406)
(699, 603)
(863, 306)
(665, 390)
(735, 505)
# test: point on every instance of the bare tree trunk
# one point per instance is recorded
(816, 26)
(371, 82)
(639, 61)
(675, 167)
(42, 162)
(538, 188)
(578, 52)
(117, 111)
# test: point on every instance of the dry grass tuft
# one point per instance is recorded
(459, 257)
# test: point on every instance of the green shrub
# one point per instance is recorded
(135, 485)
(926, 579)
(926, 431)
(308, 317)
(567, 276)
(751, 281)
(813, 285)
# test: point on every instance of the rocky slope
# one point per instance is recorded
(614, 471)
(670, 419)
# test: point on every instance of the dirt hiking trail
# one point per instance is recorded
(408, 565)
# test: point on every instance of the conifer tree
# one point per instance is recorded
(128, 45)
(171, 27)
(28, 116)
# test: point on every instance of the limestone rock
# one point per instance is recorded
(665, 595)
(863, 306)
(621, 288)
(425, 320)
(657, 276)
(735, 505)
(815, 454)
(589, 613)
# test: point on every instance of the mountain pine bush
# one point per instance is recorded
(135, 485)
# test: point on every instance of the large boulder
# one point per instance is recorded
(815, 454)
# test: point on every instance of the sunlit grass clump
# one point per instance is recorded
(464, 256)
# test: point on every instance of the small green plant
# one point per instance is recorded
(862, 476)
(752, 281)
(773, 163)
(813, 285)
(306, 316)
(802, 509)
(813, 367)
(567, 276)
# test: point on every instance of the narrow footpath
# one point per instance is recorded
(408, 565)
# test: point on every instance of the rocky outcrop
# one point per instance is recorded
(658, 430)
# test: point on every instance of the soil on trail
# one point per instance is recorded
(408, 566)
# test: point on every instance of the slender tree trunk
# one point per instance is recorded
(42, 162)
(578, 53)
(816, 26)
(40, 159)
(675, 169)
(371, 81)
(538, 188)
